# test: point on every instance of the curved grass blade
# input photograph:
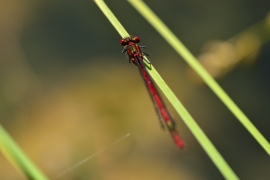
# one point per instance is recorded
(215, 156)
(17, 158)
(149, 15)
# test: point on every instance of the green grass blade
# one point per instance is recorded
(17, 158)
(192, 125)
(149, 15)
(209, 148)
(108, 13)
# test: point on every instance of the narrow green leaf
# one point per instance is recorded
(17, 158)
(192, 125)
(209, 148)
(108, 13)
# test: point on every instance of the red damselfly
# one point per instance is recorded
(137, 57)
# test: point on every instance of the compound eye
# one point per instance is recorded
(136, 39)
(123, 42)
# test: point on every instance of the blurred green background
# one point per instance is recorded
(66, 91)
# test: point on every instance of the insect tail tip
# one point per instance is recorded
(178, 141)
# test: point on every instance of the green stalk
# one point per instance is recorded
(209, 148)
(17, 158)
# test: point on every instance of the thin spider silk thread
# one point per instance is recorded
(92, 156)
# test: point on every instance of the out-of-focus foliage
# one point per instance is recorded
(221, 57)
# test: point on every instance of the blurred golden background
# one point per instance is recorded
(67, 92)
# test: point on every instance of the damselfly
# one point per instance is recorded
(137, 57)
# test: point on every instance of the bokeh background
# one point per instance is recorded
(67, 92)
